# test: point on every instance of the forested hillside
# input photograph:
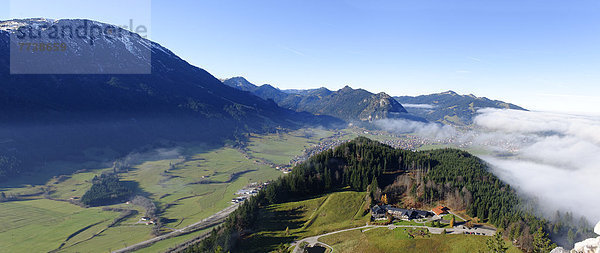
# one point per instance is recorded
(363, 164)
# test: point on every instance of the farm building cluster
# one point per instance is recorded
(381, 212)
(248, 191)
(147, 220)
(284, 169)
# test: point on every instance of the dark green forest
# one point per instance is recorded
(363, 164)
(108, 189)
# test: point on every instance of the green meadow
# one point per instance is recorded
(43, 225)
(406, 240)
(306, 218)
(280, 148)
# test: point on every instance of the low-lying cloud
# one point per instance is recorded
(555, 159)
(419, 106)
(402, 126)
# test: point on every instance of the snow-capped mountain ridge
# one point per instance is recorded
(88, 47)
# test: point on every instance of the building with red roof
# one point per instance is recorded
(440, 210)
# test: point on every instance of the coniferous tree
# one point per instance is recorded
(496, 244)
(541, 243)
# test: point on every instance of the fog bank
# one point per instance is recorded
(555, 157)
(402, 126)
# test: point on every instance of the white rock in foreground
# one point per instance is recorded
(591, 245)
(559, 250)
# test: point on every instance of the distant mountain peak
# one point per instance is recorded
(346, 88)
(449, 92)
(237, 78)
(266, 85)
(239, 83)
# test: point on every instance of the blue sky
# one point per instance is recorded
(543, 55)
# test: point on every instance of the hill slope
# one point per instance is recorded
(315, 216)
(450, 107)
(347, 103)
(430, 178)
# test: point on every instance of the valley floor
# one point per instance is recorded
(188, 184)
(43, 219)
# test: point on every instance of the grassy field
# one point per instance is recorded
(184, 200)
(181, 199)
(306, 218)
(43, 225)
(112, 239)
(400, 240)
(280, 148)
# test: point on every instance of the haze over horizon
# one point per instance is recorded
(513, 51)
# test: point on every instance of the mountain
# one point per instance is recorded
(239, 83)
(347, 104)
(449, 107)
(85, 97)
(173, 87)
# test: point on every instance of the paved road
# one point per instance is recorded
(313, 240)
(208, 222)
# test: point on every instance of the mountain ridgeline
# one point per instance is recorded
(52, 116)
(450, 107)
(448, 175)
(347, 104)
